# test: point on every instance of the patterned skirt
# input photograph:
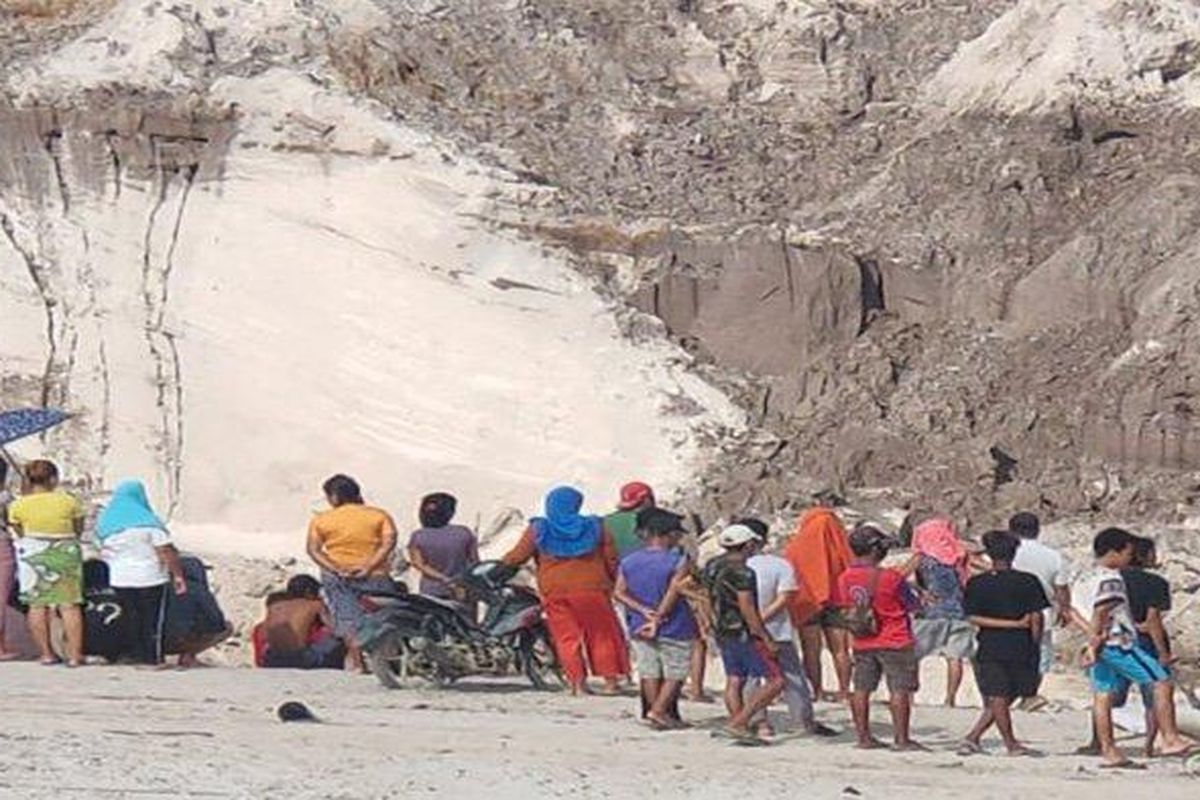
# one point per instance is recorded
(49, 571)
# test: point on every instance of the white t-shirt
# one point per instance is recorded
(775, 576)
(133, 563)
(1101, 586)
(1044, 563)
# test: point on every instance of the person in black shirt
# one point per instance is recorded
(1007, 607)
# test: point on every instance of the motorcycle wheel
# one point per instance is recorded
(539, 661)
(389, 661)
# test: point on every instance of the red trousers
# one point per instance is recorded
(582, 622)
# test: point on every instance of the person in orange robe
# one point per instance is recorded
(819, 551)
(576, 562)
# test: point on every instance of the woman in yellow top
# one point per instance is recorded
(46, 523)
(353, 543)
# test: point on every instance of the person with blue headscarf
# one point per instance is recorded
(142, 563)
(576, 562)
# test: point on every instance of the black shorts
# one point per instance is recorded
(1007, 679)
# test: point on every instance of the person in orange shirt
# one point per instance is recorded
(353, 543)
(576, 571)
(819, 552)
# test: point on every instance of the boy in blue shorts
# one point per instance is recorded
(747, 648)
(1116, 659)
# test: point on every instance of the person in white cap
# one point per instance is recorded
(777, 586)
(747, 647)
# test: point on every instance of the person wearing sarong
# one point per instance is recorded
(353, 544)
(46, 523)
(819, 552)
(143, 566)
(576, 573)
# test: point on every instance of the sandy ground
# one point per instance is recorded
(121, 732)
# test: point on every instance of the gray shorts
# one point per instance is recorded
(662, 659)
(899, 667)
(952, 638)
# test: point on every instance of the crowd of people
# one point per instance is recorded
(139, 600)
(626, 594)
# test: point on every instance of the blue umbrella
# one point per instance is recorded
(24, 422)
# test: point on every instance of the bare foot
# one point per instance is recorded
(909, 746)
(870, 744)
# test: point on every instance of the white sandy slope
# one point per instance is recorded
(1043, 54)
(340, 302)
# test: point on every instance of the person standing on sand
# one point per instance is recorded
(623, 523)
(941, 627)
(884, 646)
(142, 563)
(576, 568)
(1149, 599)
(819, 553)
(8, 559)
(1101, 607)
(46, 523)
(1007, 606)
(1050, 568)
(776, 585)
(442, 553)
(748, 650)
(660, 623)
(353, 544)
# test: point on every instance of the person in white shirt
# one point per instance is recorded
(142, 563)
(777, 585)
(1050, 568)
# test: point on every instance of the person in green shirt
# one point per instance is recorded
(622, 524)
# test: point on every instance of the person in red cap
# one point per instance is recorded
(622, 523)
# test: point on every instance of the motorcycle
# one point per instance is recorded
(410, 635)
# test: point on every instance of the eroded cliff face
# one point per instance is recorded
(242, 278)
(951, 244)
(939, 250)
(74, 183)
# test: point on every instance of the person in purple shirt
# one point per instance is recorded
(439, 551)
(660, 624)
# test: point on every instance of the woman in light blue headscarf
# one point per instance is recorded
(576, 570)
(142, 563)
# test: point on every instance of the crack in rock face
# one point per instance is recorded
(72, 180)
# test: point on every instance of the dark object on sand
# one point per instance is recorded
(293, 711)
(410, 635)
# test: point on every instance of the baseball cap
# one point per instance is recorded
(635, 494)
(865, 537)
(736, 536)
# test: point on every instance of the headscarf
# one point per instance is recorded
(819, 551)
(564, 532)
(128, 508)
(937, 538)
(437, 510)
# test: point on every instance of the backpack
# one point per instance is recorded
(860, 618)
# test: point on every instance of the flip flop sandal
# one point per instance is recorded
(1026, 752)
(743, 738)
(969, 749)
